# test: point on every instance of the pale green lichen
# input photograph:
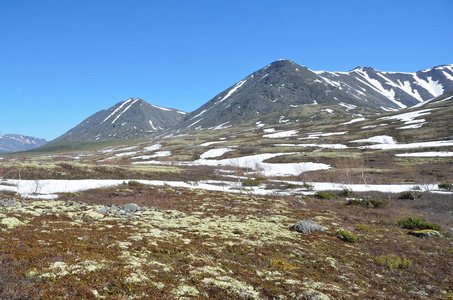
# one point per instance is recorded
(233, 286)
(136, 278)
(185, 290)
(12, 222)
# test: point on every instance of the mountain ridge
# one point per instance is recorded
(284, 86)
(17, 142)
(281, 92)
(132, 118)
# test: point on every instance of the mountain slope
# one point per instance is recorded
(395, 90)
(132, 118)
(17, 142)
(284, 89)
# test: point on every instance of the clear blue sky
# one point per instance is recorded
(63, 60)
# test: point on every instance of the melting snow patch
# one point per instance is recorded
(153, 147)
(234, 89)
(380, 139)
(269, 130)
(126, 153)
(348, 106)
(282, 134)
(157, 154)
(210, 143)
(221, 126)
(426, 154)
(283, 120)
(414, 126)
(329, 146)
(316, 135)
(408, 117)
(411, 145)
(353, 121)
(215, 153)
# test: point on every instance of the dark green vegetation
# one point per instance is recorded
(417, 223)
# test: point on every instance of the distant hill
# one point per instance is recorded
(16, 142)
(133, 118)
(281, 91)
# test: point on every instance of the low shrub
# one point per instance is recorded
(135, 183)
(325, 195)
(347, 236)
(375, 203)
(409, 195)
(252, 182)
(445, 186)
(392, 261)
(417, 223)
(290, 186)
(346, 192)
(308, 186)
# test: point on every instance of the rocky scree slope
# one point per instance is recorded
(284, 88)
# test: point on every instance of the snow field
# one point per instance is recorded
(49, 189)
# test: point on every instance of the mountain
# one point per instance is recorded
(283, 91)
(133, 118)
(394, 90)
(16, 142)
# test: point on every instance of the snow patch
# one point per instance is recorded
(282, 134)
(353, 121)
(215, 153)
(433, 87)
(380, 139)
(426, 154)
(234, 89)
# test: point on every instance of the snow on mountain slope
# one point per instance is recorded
(395, 90)
(132, 118)
(282, 89)
(17, 142)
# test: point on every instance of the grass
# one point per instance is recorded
(392, 262)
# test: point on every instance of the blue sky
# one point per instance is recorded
(62, 61)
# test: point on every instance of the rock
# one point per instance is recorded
(315, 295)
(307, 226)
(426, 233)
(130, 207)
(8, 202)
(302, 202)
(124, 192)
(127, 209)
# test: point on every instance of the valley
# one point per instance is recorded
(208, 210)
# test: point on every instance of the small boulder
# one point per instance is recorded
(130, 207)
(307, 226)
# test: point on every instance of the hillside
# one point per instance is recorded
(130, 119)
(283, 91)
